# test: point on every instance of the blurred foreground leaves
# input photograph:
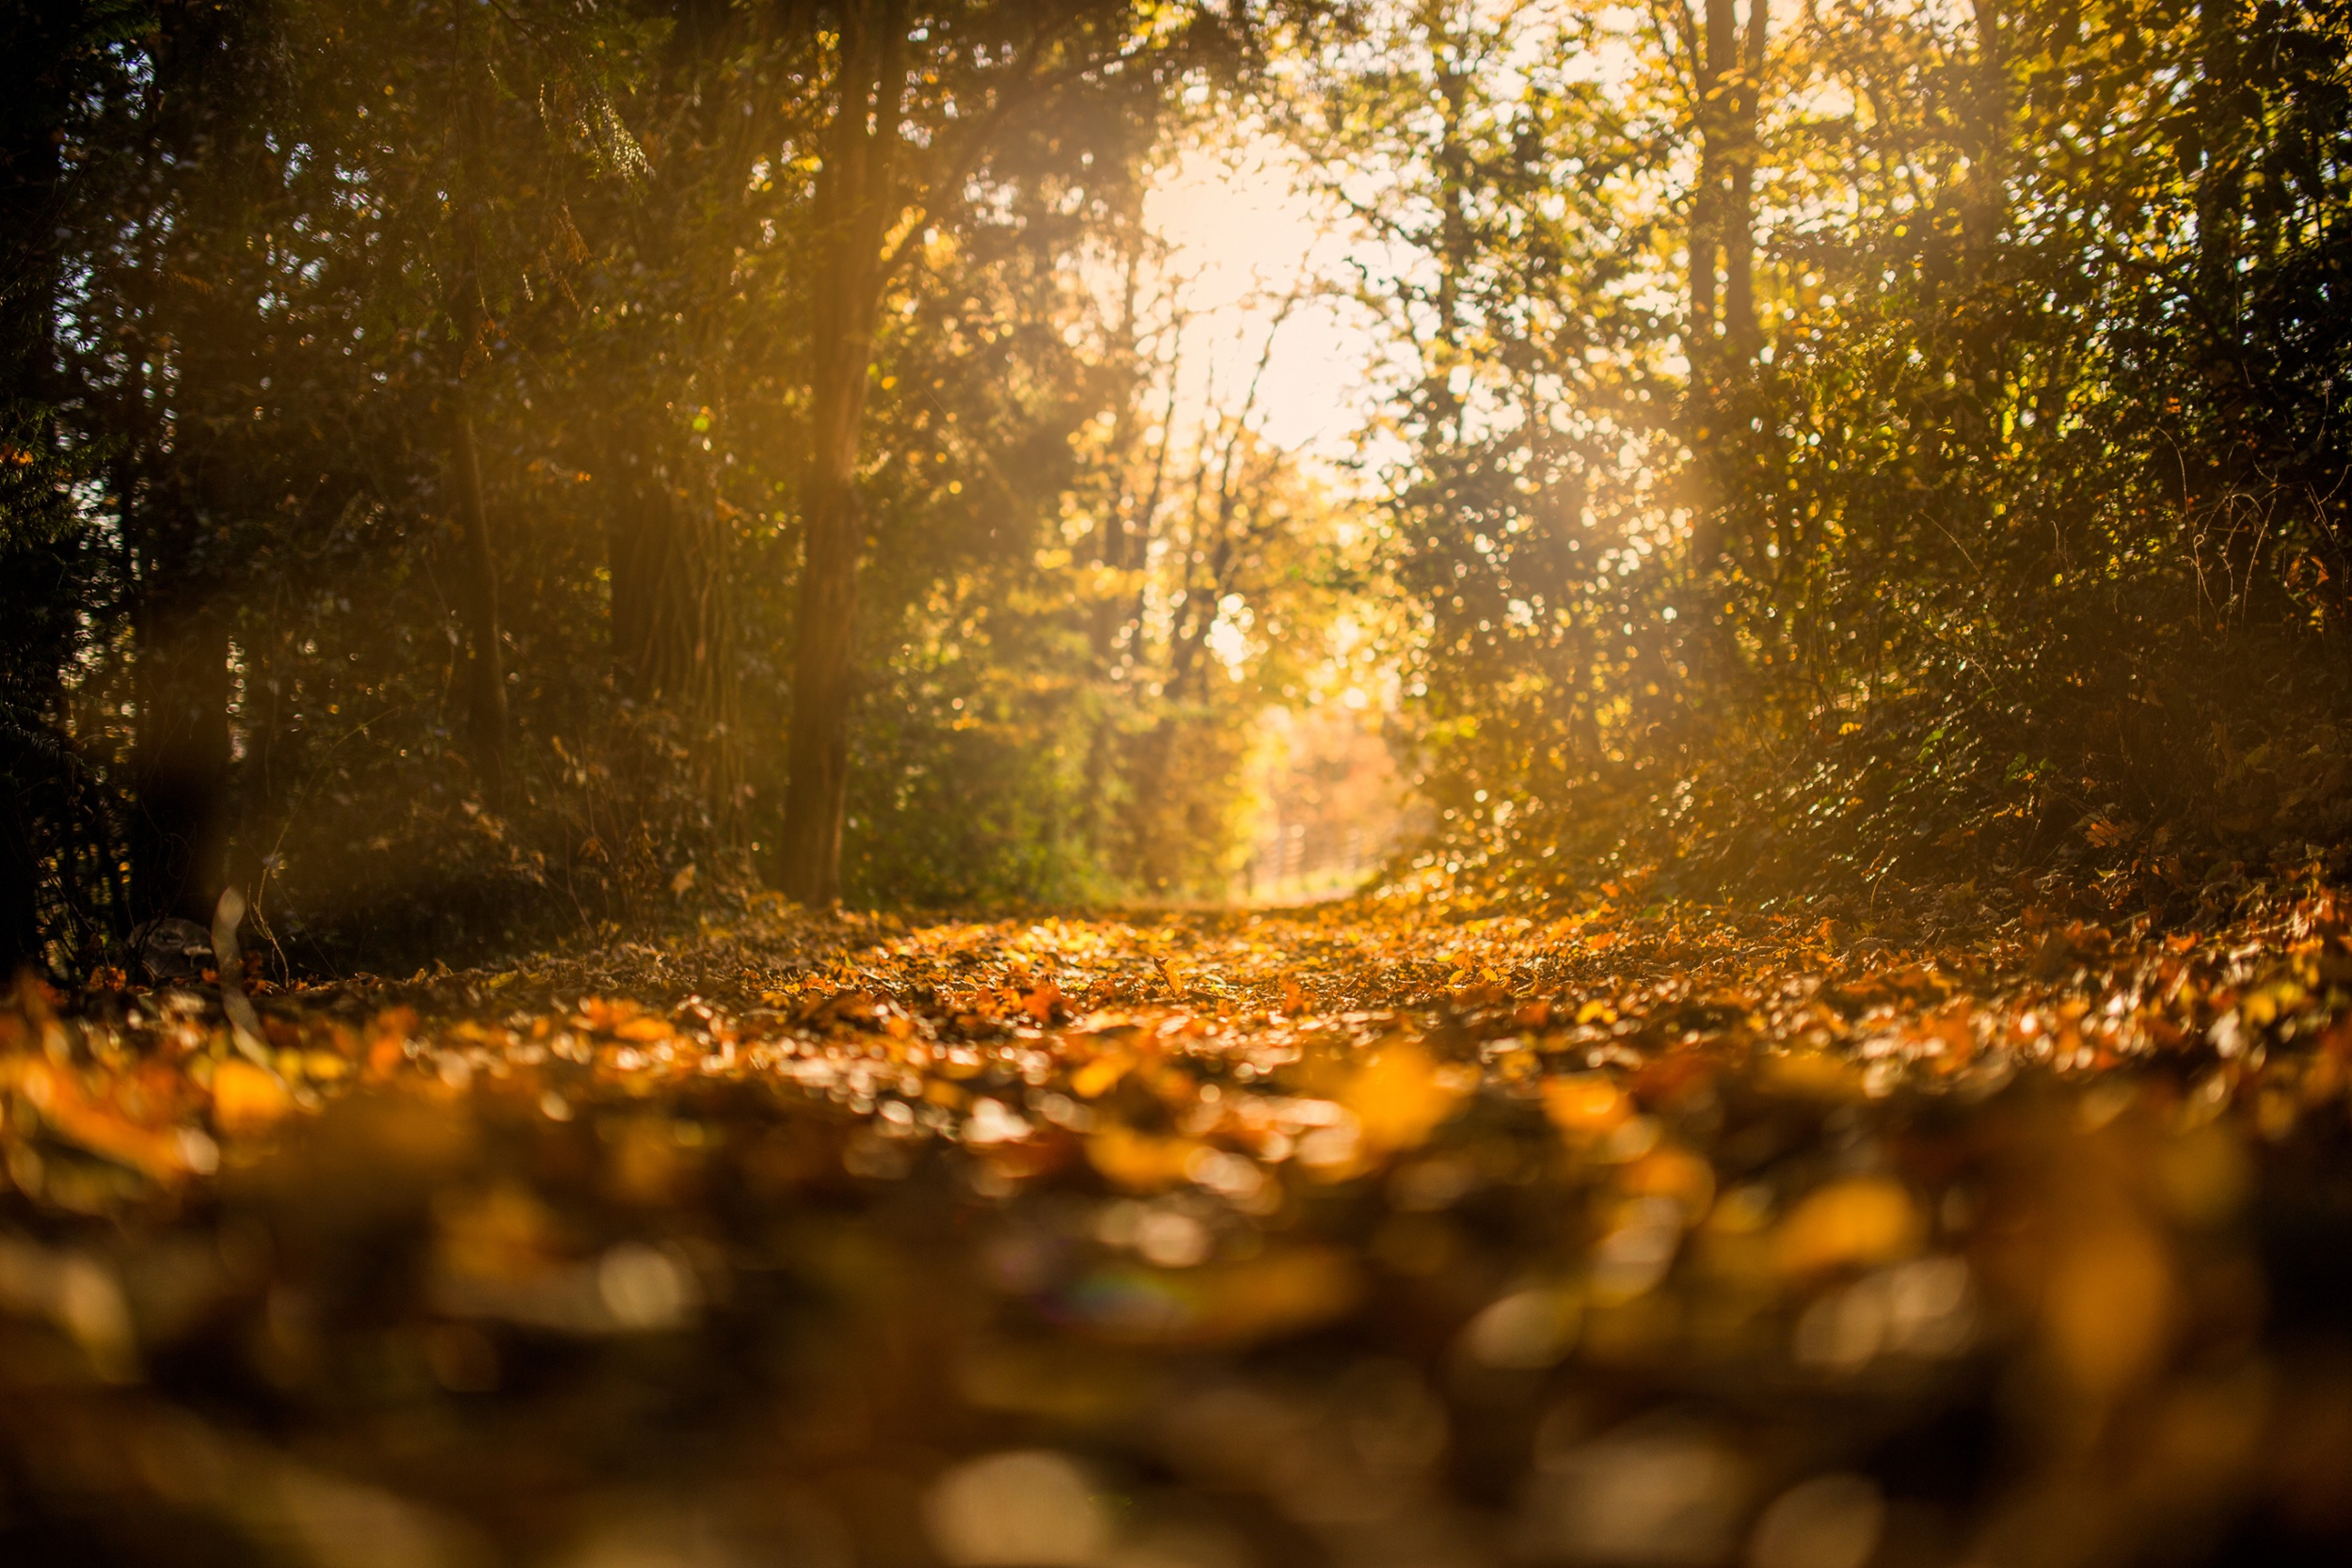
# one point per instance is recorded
(1664, 1235)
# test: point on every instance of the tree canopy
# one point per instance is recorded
(477, 469)
(1175, 783)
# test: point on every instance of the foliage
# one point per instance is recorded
(2007, 535)
(416, 406)
(476, 472)
(1842, 452)
(1042, 1241)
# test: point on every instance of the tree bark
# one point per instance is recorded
(1985, 200)
(1975, 403)
(1120, 517)
(1737, 219)
(856, 203)
(180, 528)
(180, 762)
(485, 656)
(1727, 65)
(1728, 90)
(486, 660)
(1716, 49)
(37, 593)
(182, 493)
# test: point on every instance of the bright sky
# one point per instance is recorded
(1242, 235)
(1252, 259)
(1241, 238)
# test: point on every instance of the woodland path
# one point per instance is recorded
(1341, 1236)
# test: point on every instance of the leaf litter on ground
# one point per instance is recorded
(1359, 1234)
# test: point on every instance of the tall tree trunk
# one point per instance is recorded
(486, 660)
(2225, 105)
(1740, 394)
(37, 586)
(1976, 407)
(179, 527)
(1459, 250)
(856, 203)
(184, 498)
(1727, 90)
(1728, 65)
(1713, 48)
(1737, 226)
(1718, 51)
(1117, 523)
(180, 764)
(1984, 200)
(485, 655)
(1123, 523)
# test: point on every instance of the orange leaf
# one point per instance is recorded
(246, 1099)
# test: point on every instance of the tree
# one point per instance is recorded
(189, 488)
(1978, 497)
(50, 60)
(922, 120)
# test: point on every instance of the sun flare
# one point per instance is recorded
(1248, 254)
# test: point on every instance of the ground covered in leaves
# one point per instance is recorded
(1353, 1237)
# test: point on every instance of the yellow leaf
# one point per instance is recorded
(1814, 1074)
(1399, 1097)
(1280, 1291)
(1137, 1160)
(1099, 1076)
(1847, 1224)
(1584, 1104)
(1675, 1173)
(74, 1117)
(2108, 1306)
(246, 1099)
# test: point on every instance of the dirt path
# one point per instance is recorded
(1198, 1244)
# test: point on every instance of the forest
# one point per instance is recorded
(472, 468)
(1175, 783)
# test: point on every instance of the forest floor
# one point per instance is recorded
(1340, 1236)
